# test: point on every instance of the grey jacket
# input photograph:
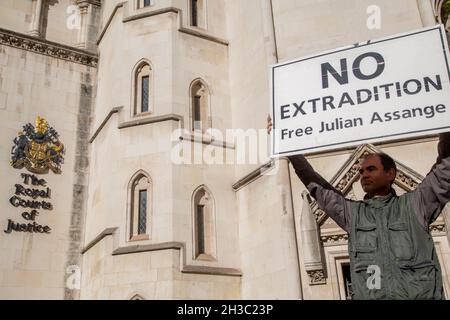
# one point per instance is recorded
(391, 233)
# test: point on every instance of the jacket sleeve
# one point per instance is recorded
(329, 199)
(433, 193)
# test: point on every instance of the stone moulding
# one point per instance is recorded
(47, 48)
(316, 277)
(185, 268)
(340, 238)
(437, 229)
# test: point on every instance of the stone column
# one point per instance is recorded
(311, 244)
(35, 27)
(446, 214)
(426, 13)
(269, 32)
(85, 11)
(289, 227)
(90, 11)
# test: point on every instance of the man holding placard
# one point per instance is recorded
(392, 254)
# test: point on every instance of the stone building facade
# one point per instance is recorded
(127, 85)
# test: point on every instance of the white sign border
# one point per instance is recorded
(439, 28)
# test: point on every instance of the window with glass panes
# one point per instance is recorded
(145, 93)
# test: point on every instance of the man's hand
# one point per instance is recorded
(269, 124)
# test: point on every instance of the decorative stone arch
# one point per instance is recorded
(204, 224)
(136, 208)
(321, 231)
(200, 105)
(141, 71)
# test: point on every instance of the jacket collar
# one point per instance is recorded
(380, 201)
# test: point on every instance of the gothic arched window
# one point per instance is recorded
(200, 108)
(140, 191)
(204, 224)
(142, 86)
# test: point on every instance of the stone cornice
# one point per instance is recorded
(337, 238)
(48, 48)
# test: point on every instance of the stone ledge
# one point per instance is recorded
(128, 18)
(149, 120)
(212, 271)
(47, 48)
(97, 239)
(148, 248)
(202, 35)
(135, 122)
(255, 174)
(104, 122)
(174, 245)
(140, 121)
(207, 140)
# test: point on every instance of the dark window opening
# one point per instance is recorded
(347, 281)
(142, 219)
(145, 93)
(200, 229)
(197, 113)
(194, 13)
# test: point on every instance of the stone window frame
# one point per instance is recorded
(205, 112)
(210, 243)
(335, 258)
(139, 181)
(340, 262)
(140, 4)
(142, 69)
(203, 22)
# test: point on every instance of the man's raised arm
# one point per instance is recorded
(329, 199)
(443, 147)
(433, 193)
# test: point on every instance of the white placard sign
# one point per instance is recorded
(393, 88)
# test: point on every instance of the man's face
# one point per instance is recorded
(374, 180)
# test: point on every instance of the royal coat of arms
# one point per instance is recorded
(38, 149)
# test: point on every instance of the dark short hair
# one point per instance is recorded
(387, 162)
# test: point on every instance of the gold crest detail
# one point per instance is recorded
(38, 149)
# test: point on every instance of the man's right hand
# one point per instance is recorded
(269, 124)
